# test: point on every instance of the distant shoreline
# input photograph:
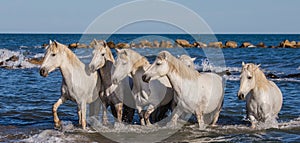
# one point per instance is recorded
(69, 33)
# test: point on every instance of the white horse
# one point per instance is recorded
(200, 94)
(187, 60)
(263, 97)
(154, 94)
(78, 85)
(103, 61)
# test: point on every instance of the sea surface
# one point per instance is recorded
(26, 98)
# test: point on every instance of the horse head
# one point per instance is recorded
(247, 79)
(101, 54)
(53, 58)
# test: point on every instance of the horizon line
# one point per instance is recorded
(240, 33)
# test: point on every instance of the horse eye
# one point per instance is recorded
(102, 54)
(249, 77)
(53, 55)
(158, 63)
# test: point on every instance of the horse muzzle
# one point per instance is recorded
(241, 96)
(146, 78)
(44, 72)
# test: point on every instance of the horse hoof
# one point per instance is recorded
(214, 125)
(105, 123)
(58, 125)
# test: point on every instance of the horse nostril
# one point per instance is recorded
(145, 79)
(241, 96)
(43, 72)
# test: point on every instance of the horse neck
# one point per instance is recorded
(106, 74)
(176, 76)
(261, 81)
(71, 67)
(138, 83)
(176, 81)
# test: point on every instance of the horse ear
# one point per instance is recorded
(50, 42)
(257, 67)
(243, 64)
(95, 41)
(104, 44)
(125, 53)
(163, 55)
(55, 43)
(193, 59)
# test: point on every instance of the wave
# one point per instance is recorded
(186, 133)
(16, 59)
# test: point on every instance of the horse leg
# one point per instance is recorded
(57, 122)
(79, 115)
(141, 115)
(148, 113)
(253, 121)
(94, 108)
(217, 114)
(128, 114)
(199, 116)
(216, 117)
(119, 107)
(83, 115)
(104, 114)
(175, 117)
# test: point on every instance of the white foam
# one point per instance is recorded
(232, 77)
(22, 61)
(205, 65)
(38, 55)
(51, 135)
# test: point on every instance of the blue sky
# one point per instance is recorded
(223, 16)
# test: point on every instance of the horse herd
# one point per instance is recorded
(168, 80)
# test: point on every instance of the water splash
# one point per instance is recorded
(16, 59)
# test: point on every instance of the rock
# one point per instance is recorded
(45, 45)
(261, 45)
(155, 44)
(200, 45)
(111, 44)
(298, 44)
(230, 44)
(79, 45)
(73, 45)
(293, 43)
(226, 72)
(272, 46)
(183, 43)
(13, 58)
(271, 75)
(122, 45)
(287, 44)
(93, 43)
(245, 45)
(215, 44)
(133, 45)
(166, 44)
(36, 61)
(297, 75)
(145, 43)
